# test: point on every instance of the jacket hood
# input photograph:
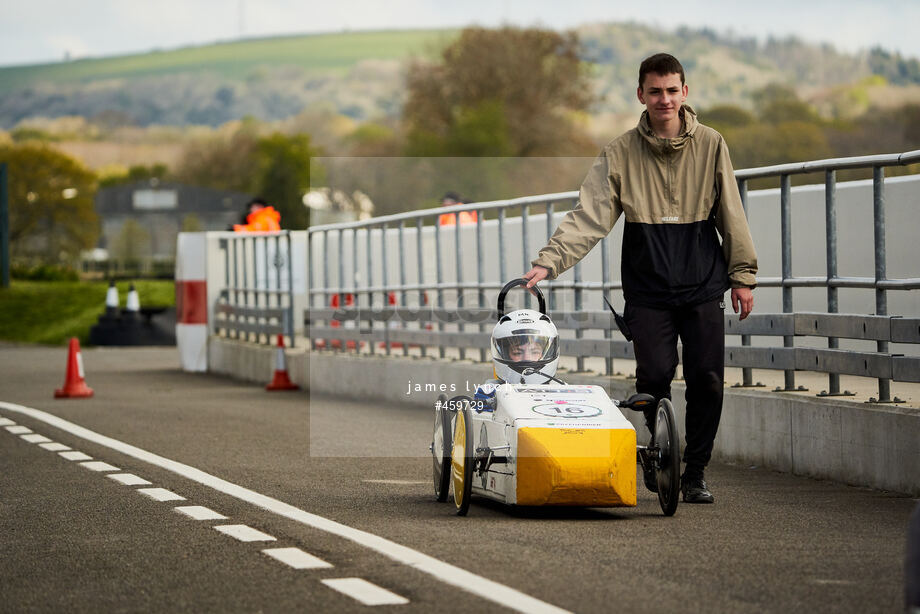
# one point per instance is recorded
(688, 125)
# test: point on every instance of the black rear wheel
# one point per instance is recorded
(440, 449)
(668, 470)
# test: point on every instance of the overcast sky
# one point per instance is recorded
(33, 31)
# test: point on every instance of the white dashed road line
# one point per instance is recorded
(18, 430)
(199, 512)
(99, 466)
(160, 494)
(128, 479)
(297, 558)
(35, 438)
(244, 533)
(468, 581)
(75, 456)
(364, 591)
(53, 446)
(6, 421)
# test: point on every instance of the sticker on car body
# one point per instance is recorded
(567, 410)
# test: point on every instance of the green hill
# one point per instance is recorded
(236, 60)
(361, 75)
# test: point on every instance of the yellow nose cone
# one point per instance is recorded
(570, 466)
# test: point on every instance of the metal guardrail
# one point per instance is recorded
(842, 326)
(256, 303)
(376, 327)
(832, 282)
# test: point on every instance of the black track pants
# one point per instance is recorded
(701, 329)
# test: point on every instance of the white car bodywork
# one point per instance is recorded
(554, 444)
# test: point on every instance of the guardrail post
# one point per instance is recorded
(236, 281)
(370, 295)
(225, 294)
(458, 262)
(341, 279)
(402, 274)
(830, 241)
(881, 295)
(385, 284)
(248, 293)
(355, 276)
(579, 333)
(421, 275)
(480, 274)
(267, 297)
(747, 377)
(550, 296)
(501, 245)
(525, 236)
(605, 278)
(311, 282)
(786, 237)
(290, 284)
(437, 253)
(327, 296)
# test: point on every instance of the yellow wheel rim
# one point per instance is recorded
(458, 458)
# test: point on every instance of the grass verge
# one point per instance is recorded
(52, 312)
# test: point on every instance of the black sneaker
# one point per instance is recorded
(695, 490)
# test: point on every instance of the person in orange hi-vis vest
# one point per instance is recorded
(261, 218)
(450, 219)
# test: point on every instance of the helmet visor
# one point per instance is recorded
(525, 348)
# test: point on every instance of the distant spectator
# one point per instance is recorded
(259, 217)
(450, 219)
(252, 206)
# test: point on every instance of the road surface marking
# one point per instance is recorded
(53, 446)
(364, 591)
(99, 466)
(6, 421)
(161, 494)
(397, 481)
(199, 512)
(474, 583)
(297, 558)
(244, 533)
(18, 430)
(75, 456)
(128, 479)
(35, 438)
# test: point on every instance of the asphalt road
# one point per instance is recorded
(73, 539)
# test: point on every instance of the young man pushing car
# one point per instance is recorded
(673, 180)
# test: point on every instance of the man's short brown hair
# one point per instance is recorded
(660, 64)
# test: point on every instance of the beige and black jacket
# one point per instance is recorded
(676, 194)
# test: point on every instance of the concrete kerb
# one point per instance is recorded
(856, 443)
(253, 362)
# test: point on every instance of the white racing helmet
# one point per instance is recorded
(525, 340)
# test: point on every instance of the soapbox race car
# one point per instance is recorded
(539, 441)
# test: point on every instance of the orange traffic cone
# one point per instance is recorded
(281, 380)
(74, 384)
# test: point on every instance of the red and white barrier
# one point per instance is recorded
(192, 301)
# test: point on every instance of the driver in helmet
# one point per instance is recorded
(525, 348)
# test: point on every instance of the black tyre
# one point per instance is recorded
(667, 472)
(461, 460)
(440, 449)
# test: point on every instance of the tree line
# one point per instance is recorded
(497, 114)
